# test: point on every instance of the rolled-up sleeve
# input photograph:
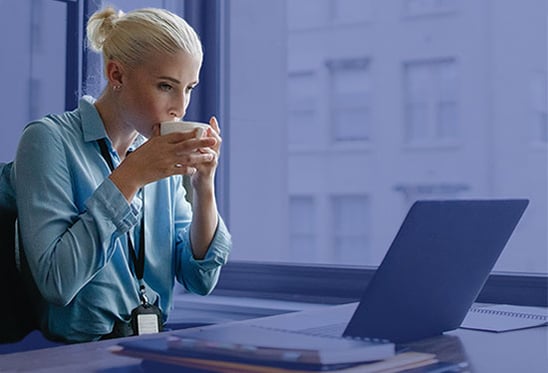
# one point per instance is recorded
(201, 276)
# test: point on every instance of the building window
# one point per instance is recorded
(431, 106)
(350, 99)
(302, 117)
(302, 228)
(350, 214)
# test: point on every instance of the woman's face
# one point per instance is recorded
(159, 90)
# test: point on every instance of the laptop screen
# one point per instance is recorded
(435, 268)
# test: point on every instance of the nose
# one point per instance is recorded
(175, 115)
(177, 112)
(179, 106)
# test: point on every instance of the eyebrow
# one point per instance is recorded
(194, 83)
(170, 79)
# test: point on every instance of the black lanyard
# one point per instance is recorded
(138, 262)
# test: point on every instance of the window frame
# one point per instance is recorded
(75, 48)
(330, 284)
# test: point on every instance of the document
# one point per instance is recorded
(504, 317)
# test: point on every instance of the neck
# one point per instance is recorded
(119, 132)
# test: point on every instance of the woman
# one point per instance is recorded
(98, 187)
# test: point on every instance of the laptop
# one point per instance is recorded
(432, 273)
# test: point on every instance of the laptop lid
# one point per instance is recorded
(435, 268)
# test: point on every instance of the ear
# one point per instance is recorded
(115, 73)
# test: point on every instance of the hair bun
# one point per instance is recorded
(100, 26)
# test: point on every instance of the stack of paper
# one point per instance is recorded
(176, 353)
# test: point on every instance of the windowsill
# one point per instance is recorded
(301, 284)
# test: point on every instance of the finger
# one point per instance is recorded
(179, 169)
(156, 130)
(178, 137)
(211, 151)
(217, 138)
(212, 132)
(215, 124)
(194, 159)
(206, 157)
(194, 145)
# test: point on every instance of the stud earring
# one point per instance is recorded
(117, 87)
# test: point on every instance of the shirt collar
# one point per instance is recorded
(92, 125)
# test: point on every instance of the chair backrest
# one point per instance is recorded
(17, 318)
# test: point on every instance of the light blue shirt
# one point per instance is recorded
(74, 223)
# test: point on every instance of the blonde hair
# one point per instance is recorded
(131, 37)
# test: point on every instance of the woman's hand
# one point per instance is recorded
(205, 170)
(172, 154)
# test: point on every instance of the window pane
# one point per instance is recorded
(302, 228)
(33, 77)
(350, 89)
(403, 110)
(431, 95)
(302, 109)
(350, 230)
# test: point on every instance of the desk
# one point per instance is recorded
(511, 352)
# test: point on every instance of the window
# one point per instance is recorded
(302, 228)
(442, 119)
(350, 229)
(32, 67)
(350, 100)
(431, 112)
(302, 121)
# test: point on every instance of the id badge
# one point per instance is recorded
(146, 319)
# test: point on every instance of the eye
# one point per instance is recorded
(189, 88)
(165, 87)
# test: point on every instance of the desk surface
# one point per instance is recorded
(486, 352)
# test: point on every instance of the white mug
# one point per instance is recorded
(183, 126)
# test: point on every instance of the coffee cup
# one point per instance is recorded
(183, 126)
